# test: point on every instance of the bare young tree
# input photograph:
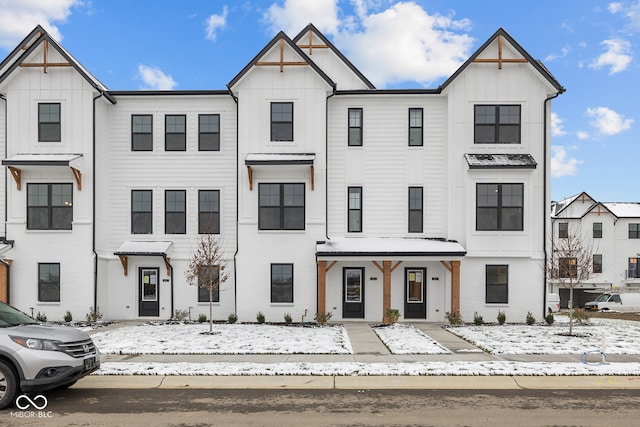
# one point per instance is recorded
(571, 261)
(207, 268)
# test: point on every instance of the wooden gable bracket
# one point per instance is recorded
(167, 264)
(500, 60)
(44, 64)
(250, 173)
(312, 179)
(124, 260)
(282, 62)
(78, 177)
(17, 176)
(310, 46)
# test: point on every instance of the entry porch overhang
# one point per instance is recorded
(16, 164)
(387, 254)
(143, 248)
(254, 160)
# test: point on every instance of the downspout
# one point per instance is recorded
(168, 263)
(545, 207)
(93, 201)
(235, 255)
(6, 144)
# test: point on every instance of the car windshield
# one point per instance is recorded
(9, 316)
(602, 298)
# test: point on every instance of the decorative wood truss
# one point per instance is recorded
(281, 63)
(124, 260)
(16, 173)
(312, 46)
(500, 60)
(44, 64)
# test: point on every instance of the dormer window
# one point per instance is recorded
(282, 121)
(49, 122)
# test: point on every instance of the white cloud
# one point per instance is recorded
(617, 56)
(390, 46)
(607, 121)
(215, 22)
(561, 164)
(563, 52)
(19, 17)
(614, 7)
(582, 135)
(556, 125)
(154, 78)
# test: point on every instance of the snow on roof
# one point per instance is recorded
(279, 158)
(500, 161)
(623, 209)
(130, 247)
(389, 246)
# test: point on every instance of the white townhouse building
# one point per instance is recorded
(612, 231)
(328, 195)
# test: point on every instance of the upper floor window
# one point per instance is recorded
(209, 272)
(355, 127)
(49, 206)
(281, 207)
(597, 263)
(568, 267)
(282, 121)
(497, 284)
(209, 132)
(415, 127)
(175, 132)
(49, 122)
(597, 230)
(415, 210)
(563, 230)
(633, 272)
(355, 209)
(634, 231)
(497, 124)
(499, 206)
(141, 212)
(175, 212)
(142, 132)
(209, 212)
(49, 282)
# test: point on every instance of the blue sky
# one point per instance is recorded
(590, 46)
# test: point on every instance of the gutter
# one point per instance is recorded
(93, 214)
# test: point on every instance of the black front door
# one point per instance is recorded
(353, 293)
(415, 291)
(149, 292)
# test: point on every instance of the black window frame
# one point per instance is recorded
(57, 210)
(597, 263)
(568, 267)
(597, 230)
(51, 126)
(355, 127)
(633, 272)
(354, 209)
(285, 210)
(203, 292)
(208, 131)
(209, 212)
(563, 230)
(175, 133)
(501, 209)
(285, 295)
(415, 207)
(141, 214)
(139, 134)
(634, 230)
(486, 123)
(45, 294)
(415, 128)
(281, 122)
(496, 291)
(175, 220)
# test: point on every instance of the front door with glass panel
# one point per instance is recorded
(149, 292)
(415, 291)
(353, 293)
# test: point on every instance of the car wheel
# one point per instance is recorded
(8, 385)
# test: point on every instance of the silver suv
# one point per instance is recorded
(35, 358)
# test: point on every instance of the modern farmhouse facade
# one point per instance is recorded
(328, 195)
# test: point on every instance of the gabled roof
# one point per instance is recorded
(558, 207)
(316, 32)
(281, 36)
(31, 43)
(529, 59)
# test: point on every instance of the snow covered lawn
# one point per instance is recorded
(405, 339)
(160, 338)
(612, 336)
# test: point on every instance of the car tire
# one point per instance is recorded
(8, 385)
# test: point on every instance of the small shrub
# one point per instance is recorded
(202, 318)
(287, 318)
(323, 317)
(580, 316)
(233, 318)
(260, 317)
(180, 315)
(41, 317)
(68, 317)
(94, 314)
(393, 314)
(501, 317)
(454, 318)
(530, 319)
(549, 319)
(477, 319)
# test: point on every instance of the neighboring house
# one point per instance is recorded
(612, 230)
(329, 195)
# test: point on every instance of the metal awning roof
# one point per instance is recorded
(151, 248)
(500, 161)
(40, 159)
(255, 159)
(389, 247)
